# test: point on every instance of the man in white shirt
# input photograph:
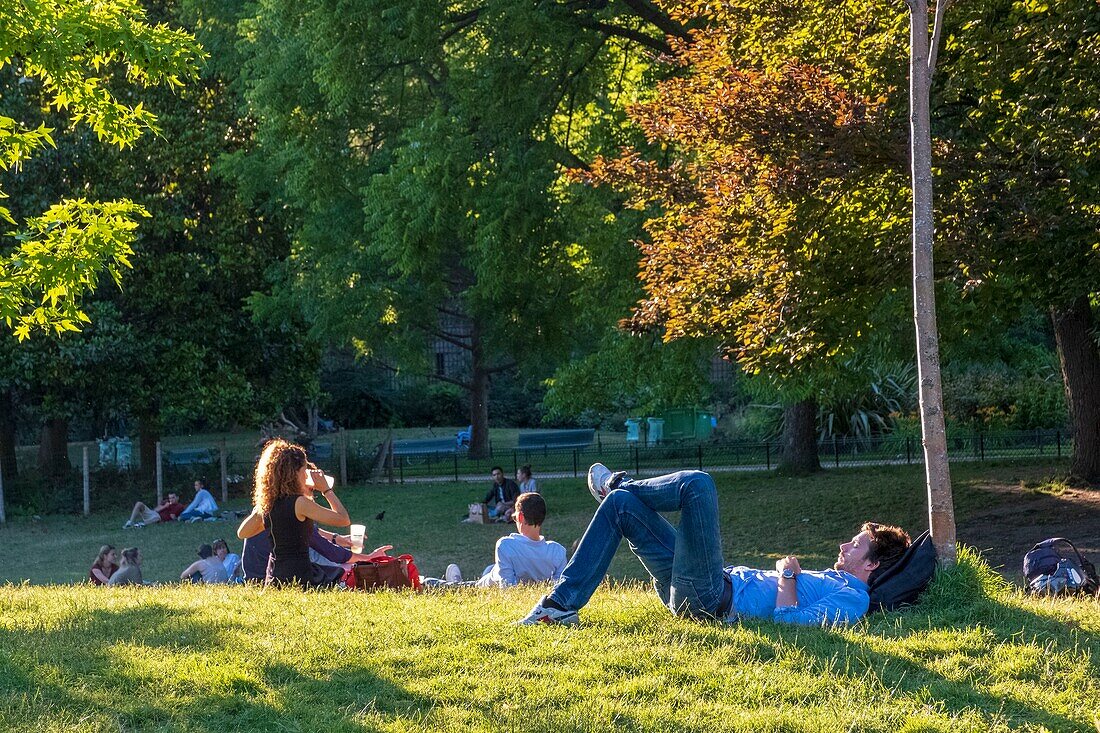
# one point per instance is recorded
(524, 556)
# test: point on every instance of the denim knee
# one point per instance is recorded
(698, 483)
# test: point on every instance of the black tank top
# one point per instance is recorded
(289, 542)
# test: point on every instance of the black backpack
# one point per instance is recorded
(1055, 567)
(903, 582)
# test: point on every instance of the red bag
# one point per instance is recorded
(384, 572)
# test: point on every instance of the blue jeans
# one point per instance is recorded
(685, 562)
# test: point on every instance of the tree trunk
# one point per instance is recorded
(53, 448)
(1080, 358)
(8, 464)
(941, 512)
(798, 452)
(148, 436)
(479, 396)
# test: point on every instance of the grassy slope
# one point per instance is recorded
(974, 656)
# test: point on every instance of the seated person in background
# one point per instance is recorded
(502, 495)
(685, 562)
(524, 556)
(201, 507)
(325, 548)
(129, 572)
(207, 569)
(526, 481)
(165, 511)
(230, 560)
(104, 566)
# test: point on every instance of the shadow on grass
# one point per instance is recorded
(159, 668)
(969, 601)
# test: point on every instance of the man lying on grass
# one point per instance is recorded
(685, 562)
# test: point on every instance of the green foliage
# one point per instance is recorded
(74, 49)
(630, 375)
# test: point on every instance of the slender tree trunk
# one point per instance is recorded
(798, 453)
(941, 511)
(148, 435)
(479, 396)
(8, 464)
(53, 448)
(1077, 350)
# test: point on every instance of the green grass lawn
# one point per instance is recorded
(974, 656)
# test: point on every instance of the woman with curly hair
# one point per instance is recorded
(284, 505)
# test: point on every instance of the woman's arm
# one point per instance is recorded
(101, 576)
(252, 525)
(337, 516)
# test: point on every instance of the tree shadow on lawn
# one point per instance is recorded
(836, 654)
(78, 673)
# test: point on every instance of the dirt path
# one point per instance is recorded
(1018, 517)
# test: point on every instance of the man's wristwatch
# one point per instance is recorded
(787, 573)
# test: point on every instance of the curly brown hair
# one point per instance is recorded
(277, 473)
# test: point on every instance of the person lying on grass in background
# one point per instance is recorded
(104, 566)
(686, 565)
(207, 569)
(166, 511)
(284, 505)
(201, 507)
(129, 571)
(229, 560)
(524, 556)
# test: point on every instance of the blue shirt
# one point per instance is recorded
(825, 597)
(523, 560)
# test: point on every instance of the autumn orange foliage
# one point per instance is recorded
(768, 189)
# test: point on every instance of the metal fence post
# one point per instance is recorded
(637, 464)
(768, 454)
(599, 442)
(699, 452)
(574, 463)
(87, 485)
(343, 457)
(225, 473)
(1058, 441)
(1039, 440)
(160, 476)
(836, 453)
(981, 446)
(401, 471)
(456, 467)
(908, 450)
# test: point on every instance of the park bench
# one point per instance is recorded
(188, 456)
(546, 440)
(320, 451)
(425, 446)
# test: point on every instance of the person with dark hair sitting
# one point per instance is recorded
(686, 565)
(502, 495)
(207, 569)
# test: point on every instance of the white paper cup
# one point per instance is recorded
(357, 532)
(328, 479)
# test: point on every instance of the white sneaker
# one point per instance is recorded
(602, 481)
(598, 475)
(542, 615)
(139, 525)
(453, 574)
